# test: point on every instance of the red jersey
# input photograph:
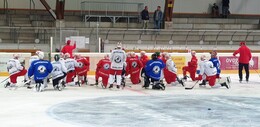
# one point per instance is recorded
(144, 59)
(68, 49)
(83, 62)
(103, 65)
(133, 64)
(245, 54)
(193, 62)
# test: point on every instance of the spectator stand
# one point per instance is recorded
(112, 10)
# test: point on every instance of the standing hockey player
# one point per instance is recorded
(170, 71)
(102, 71)
(144, 58)
(70, 64)
(244, 58)
(15, 70)
(58, 73)
(153, 70)
(191, 68)
(40, 69)
(209, 72)
(117, 58)
(68, 48)
(82, 69)
(134, 66)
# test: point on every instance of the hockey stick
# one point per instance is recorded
(192, 86)
(5, 80)
(257, 73)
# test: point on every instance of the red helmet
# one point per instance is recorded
(68, 42)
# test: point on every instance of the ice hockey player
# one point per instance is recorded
(170, 72)
(134, 66)
(102, 71)
(117, 58)
(15, 69)
(70, 64)
(191, 68)
(216, 64)
(209, 72)
(40, 69)
(58, 73)
(244, 60)
(153, 70)
(27, 80)
(68, 48)
(82, 69)
(144, 58)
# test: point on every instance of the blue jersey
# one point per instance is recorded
(154, 68)
(40, 69)
(216, 64)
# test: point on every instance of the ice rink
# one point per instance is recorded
(91, 106)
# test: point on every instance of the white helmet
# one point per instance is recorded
(203, 57)
(40, 54)
(193, 53)
(16, 56)
(67, 55)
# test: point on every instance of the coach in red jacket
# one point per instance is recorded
(68, 48)
(244, 58)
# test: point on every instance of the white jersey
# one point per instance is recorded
(70, 64)
(33, 58)
(207, 68)
(171, 66)
(117, 59)
(14, 66)
(58, 69)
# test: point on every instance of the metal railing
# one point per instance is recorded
(130, 37)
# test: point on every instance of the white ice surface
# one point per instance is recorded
(26, 108)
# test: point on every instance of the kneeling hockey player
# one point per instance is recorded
(58, 73)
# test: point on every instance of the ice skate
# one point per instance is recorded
(110, 86)
(203, 83)
(7, 84)
(224, 85)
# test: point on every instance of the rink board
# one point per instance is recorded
(180, 59)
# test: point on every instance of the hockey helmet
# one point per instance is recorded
(56, 57)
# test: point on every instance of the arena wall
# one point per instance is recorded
(181, 6)
(180, 59)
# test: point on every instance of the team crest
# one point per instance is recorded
(41, 69)
(56, 68)
(156, 69)
(80, 64)
(117, 59)
(106, 66)
(134, 64)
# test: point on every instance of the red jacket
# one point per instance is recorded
(83, 63)
(68, 49)
(193, 62)
(245, 54)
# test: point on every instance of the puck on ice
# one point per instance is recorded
(209, 108)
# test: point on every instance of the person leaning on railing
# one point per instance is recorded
(145, 17)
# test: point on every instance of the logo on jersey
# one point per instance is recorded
(56, 68)
(117, 59)
(106, 66)
(80, 64)
(41, 69)
(156, 69)
(134, 64)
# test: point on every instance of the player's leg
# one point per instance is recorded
(240, 68)
(247, 71)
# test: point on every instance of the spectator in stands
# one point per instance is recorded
(68, 48)
(215, 11)
(225, 8)
(145, 17)
(157, 17)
